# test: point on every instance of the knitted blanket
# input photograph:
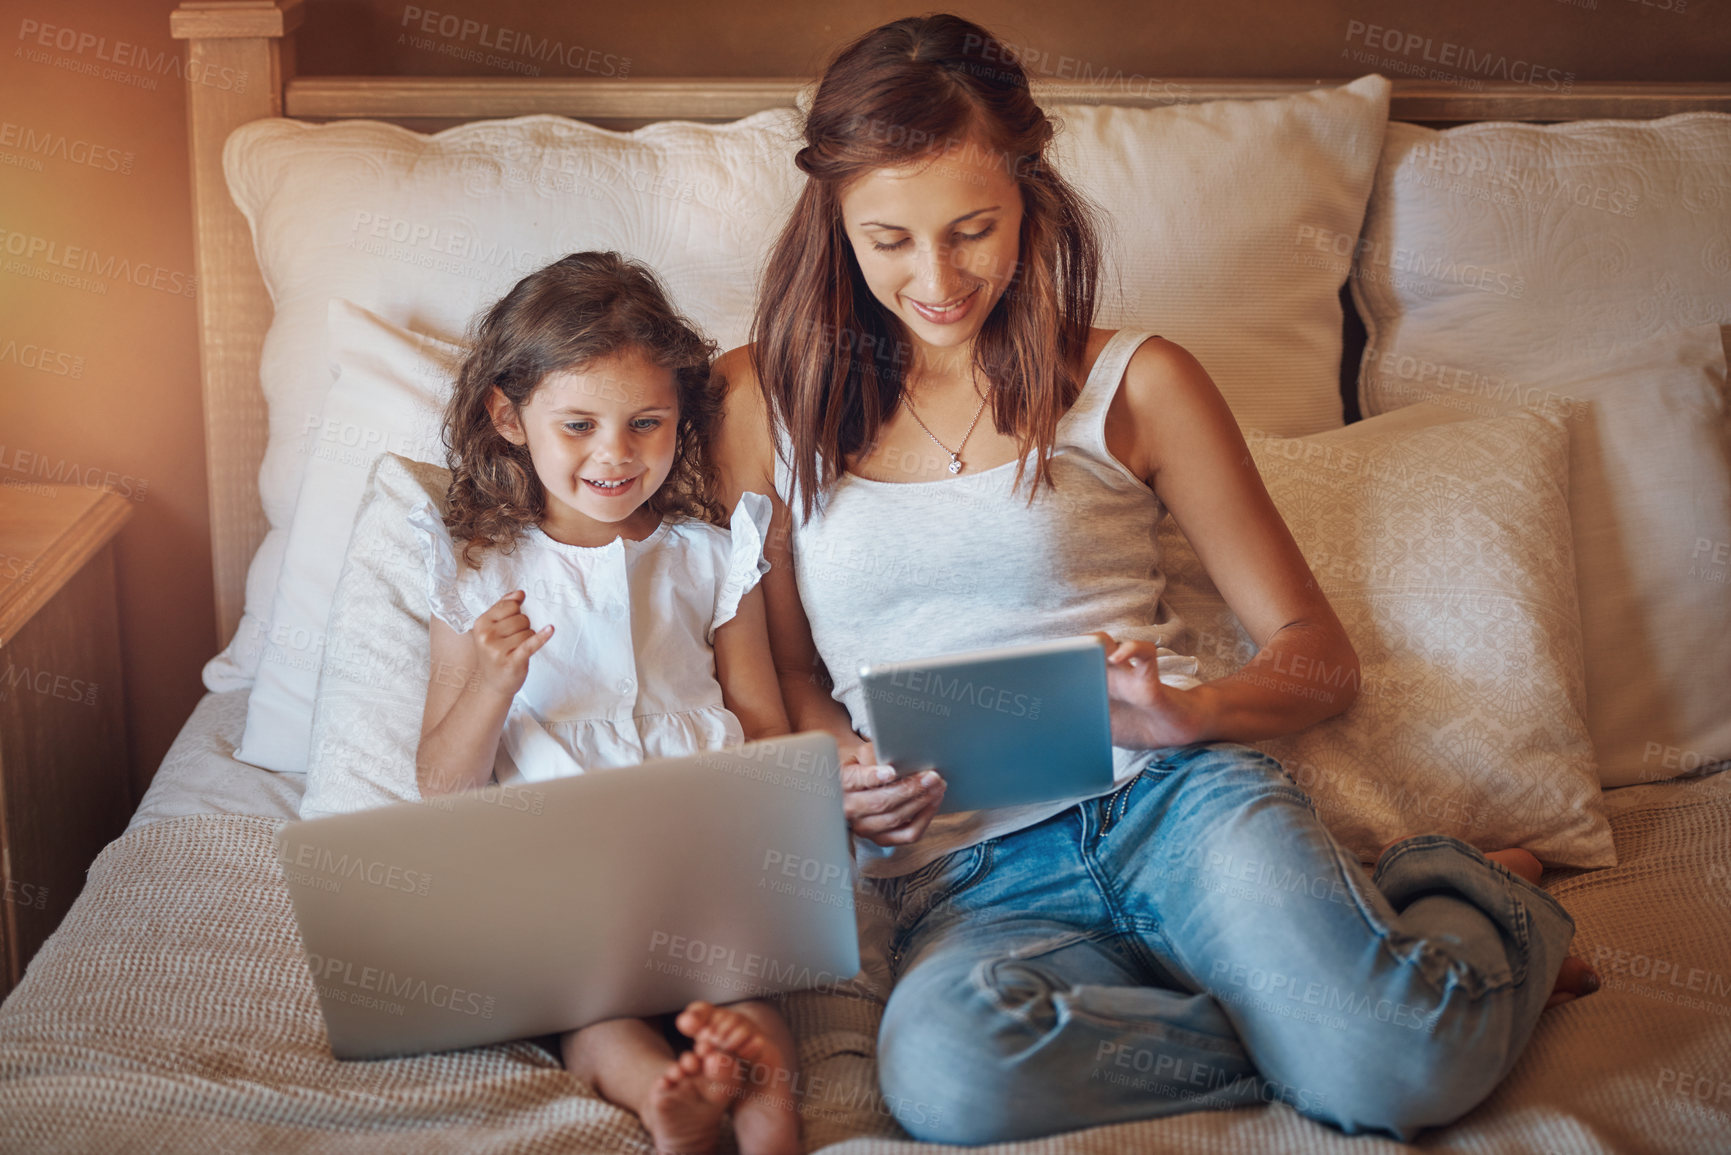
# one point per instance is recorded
(173, 1011)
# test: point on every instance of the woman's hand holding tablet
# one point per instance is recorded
(1147, 714)
(1007, 726)
(882, 807)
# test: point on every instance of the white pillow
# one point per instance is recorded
(372, 689)
(1446, 553)
(1651, 509)
(1492, 251)
(427, 230)
(388, 393)
(1216, 210)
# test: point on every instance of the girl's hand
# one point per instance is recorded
(1147, 714)
(879, 807)
(505, 643)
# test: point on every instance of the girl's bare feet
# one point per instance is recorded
(1574, 978)
(766, 1121)
(684, 1109)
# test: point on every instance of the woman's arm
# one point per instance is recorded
(474, 676)
(744, 454)
(1171, 427)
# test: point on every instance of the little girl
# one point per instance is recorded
(602, 621)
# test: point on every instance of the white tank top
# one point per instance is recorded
(890, 571)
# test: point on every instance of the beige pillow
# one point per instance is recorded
(1446, 551)
(1650, 503)
(1214, 213)
(1498, 250)
(1504, 263)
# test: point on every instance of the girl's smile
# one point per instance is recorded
(603, 438)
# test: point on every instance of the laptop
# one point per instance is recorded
(1007, 726)
(517, 911)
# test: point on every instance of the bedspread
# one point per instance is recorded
(173, 1011)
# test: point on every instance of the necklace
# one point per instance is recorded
(956, 453)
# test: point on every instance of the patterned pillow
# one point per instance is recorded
(372, 686)
(1446, 552)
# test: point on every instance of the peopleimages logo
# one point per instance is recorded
(726, 966)
(389, 984)
(59, 146)
(964, 691)
(512, 42)
(1449, 55)
(41, 358)
(29, 247)
(167, 61)
(344, 866)
(63, 472)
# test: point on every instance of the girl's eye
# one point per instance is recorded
(882, 248)
(981, 235)
(577, 426)
(647, 423)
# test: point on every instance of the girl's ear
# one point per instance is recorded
(504, 415)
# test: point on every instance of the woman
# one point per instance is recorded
(1146, 951)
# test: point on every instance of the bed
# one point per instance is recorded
(172, 1009)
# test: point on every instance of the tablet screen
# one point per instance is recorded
(1004, 727)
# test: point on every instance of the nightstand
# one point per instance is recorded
(64, 788)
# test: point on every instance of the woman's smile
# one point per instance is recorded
(937, 244)
(950, 312)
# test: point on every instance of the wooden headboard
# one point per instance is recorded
(255, 39)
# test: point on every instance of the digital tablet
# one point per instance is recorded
(1005, 726)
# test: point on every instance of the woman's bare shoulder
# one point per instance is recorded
(1167, 399)
(1156, 362)
(744, 445)
(737, 367)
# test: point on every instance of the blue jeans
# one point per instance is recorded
(1197, 939)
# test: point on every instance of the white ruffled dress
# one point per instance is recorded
(629, 673)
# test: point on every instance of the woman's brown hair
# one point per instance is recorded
(831, 360)
(577, 310)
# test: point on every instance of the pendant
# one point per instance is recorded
(955, 463)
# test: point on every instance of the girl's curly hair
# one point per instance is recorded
(579, 309)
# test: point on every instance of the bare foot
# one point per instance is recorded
(1517, 862)
(766, 1121)
(684, 1109)
(1575, 978)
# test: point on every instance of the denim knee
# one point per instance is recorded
(979, 1064)
(1404, 1098)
